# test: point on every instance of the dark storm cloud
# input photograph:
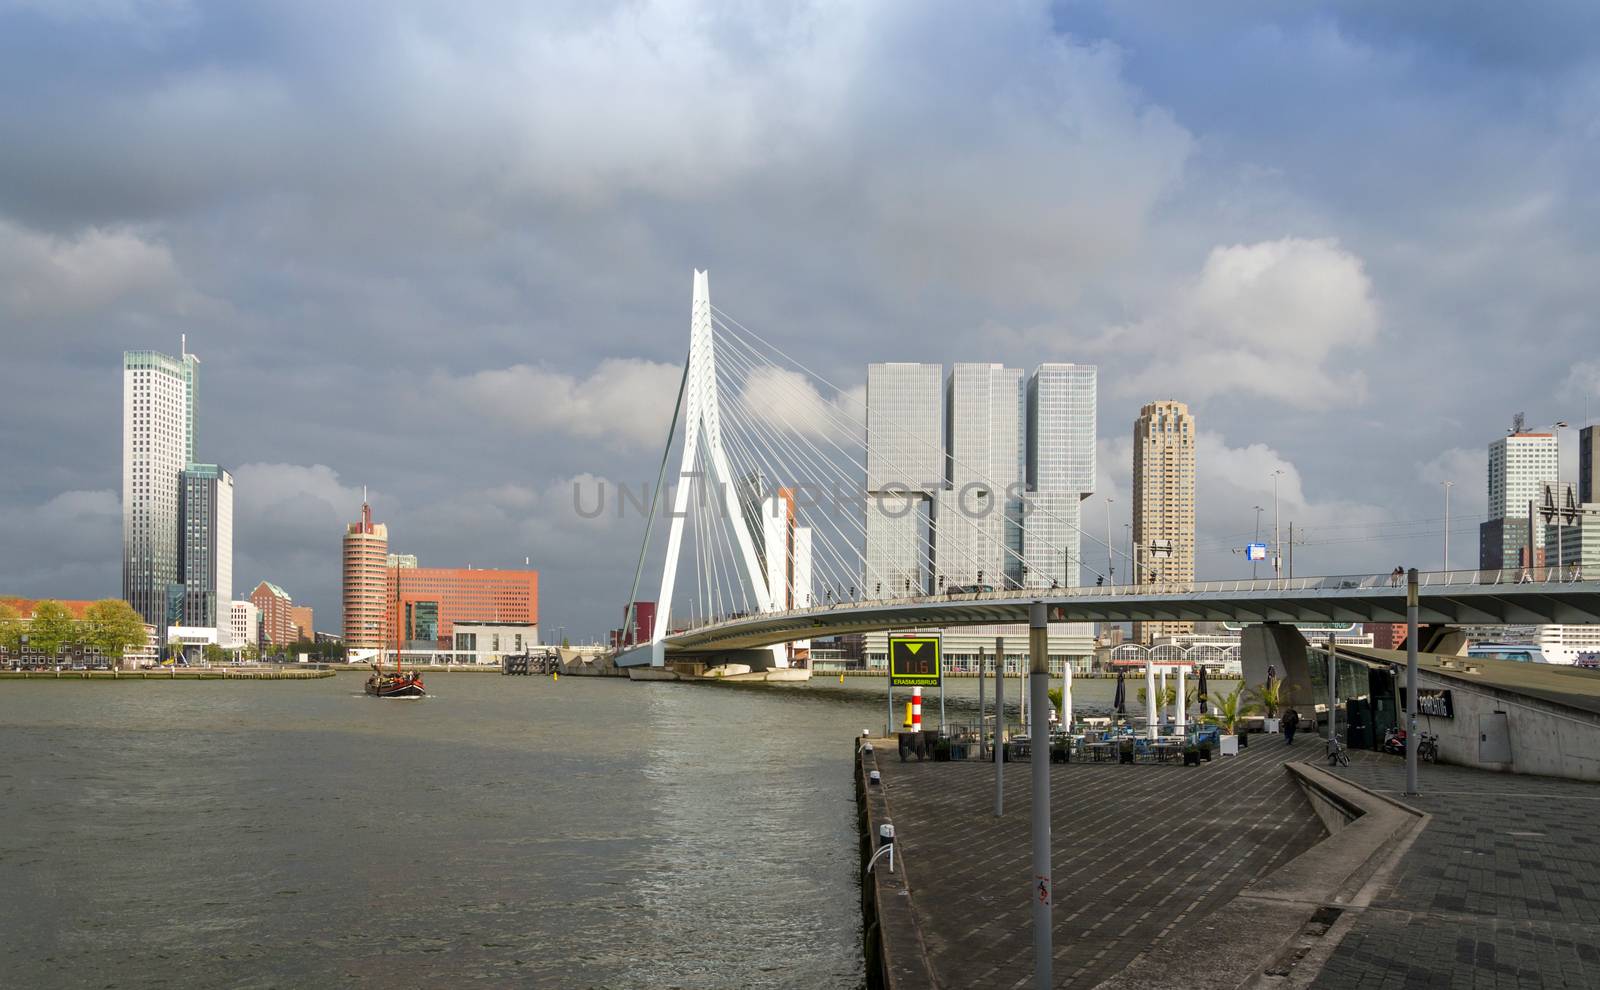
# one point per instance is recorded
(415, 245)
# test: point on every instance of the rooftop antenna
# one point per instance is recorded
(183, 344)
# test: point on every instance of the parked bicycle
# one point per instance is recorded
(1427, 747)
(1337, 754)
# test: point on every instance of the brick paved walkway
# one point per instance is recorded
(1139, 853)
(1502, 889)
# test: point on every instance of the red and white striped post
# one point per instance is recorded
(916, 709)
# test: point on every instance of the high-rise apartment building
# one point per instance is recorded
(205, 563)
(905, 469)
(1163, 504)
(1060, 462)
(158, 432)
(976, 518)
(1520, 465)
(1589, 464)
(366, 581)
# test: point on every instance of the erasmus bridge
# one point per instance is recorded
(767, 527)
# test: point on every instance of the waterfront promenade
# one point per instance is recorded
(1142, 857)
(168, 674)
(1227, 875)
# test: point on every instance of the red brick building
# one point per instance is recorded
(1386, 635)
(277, 613)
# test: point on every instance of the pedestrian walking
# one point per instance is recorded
(1291, 721)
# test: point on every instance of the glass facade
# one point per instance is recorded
(976, 537)
(1060, 470)
(205, 527)
(905, 467)
(158, 426)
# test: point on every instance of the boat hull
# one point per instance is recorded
(409, 688)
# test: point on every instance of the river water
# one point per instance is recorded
(504, 831)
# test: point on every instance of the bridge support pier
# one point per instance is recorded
(1281, 647)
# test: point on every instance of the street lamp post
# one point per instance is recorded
(1277, 532)
(1259, 510)
(1559, 427)
(1447, 486)
(1111, 563)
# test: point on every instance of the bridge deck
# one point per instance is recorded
(1453, 597)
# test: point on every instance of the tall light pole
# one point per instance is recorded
(1447, 486)
(1111, 564)
(1259, 510)
(1277, 532)
(1561, 425)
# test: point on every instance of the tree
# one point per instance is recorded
(12, 627)
(113, 627)
(52, 627)
(214, 653)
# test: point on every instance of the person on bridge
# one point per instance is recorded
(1291, 722)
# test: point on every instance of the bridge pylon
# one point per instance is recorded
(702, 443)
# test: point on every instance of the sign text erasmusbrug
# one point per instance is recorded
(914, 661)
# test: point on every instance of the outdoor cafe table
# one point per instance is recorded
(1164, 746)
(1100, 749)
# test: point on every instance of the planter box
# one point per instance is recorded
(1230, 746)
(1270, 725)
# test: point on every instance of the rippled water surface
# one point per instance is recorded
(506, 831)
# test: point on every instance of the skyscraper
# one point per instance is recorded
(205, 527)
(1060, 471)
(1163, 504)
(977, 536)
(158, 441)
(366, 581)
(905, 467)
(1520, 465)
(1588, 464)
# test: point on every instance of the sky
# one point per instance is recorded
(445, 251)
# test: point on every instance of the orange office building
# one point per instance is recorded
(427, 602)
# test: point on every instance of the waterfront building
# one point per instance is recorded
(276, 609)
(977, 517)
(644, 625)
(427, 602)
(205, 527)
(1548, 643)
(244, 624)
(490, 642)
(158, 442)
(1060, 461)
(367, 565)
(302, 620)
(1163, 505)
(402, 560)
(905, 469)
(1520, 465)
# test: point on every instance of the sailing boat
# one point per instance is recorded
(398, 684)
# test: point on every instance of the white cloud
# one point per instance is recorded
(1262, 319)
(625, 402)
(42, 275)
(788, 404)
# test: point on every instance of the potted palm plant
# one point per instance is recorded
(1232, 707)
(1269, 698)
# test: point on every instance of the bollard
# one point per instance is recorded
(916, 709)
(907, 723)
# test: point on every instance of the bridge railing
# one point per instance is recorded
(1433, 581)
